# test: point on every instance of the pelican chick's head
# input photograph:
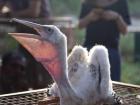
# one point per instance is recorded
(45, 47)
(47, 32)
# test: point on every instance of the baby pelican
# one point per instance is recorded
(86, 82)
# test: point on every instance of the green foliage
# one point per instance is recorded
(134, 6)
(130, 69)
(79, 34)
(7, 43)
(127, 44)
(65, 7)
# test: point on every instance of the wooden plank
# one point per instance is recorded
(126, 84)
(133, 28)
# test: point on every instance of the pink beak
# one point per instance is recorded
(43, 51)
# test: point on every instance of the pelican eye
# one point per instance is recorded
(49, 30)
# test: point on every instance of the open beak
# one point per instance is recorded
(41, 49)
(27, 39)
(35, 44)
(27, 23)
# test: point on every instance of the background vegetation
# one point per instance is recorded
(130, 68)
